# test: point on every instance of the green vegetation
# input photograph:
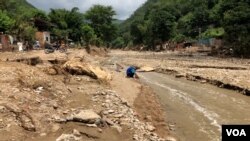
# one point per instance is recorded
(100, 18)
(159, 21)
(6, 22)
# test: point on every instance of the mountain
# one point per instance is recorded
(14, 7)
(142, 11)
(186, 18)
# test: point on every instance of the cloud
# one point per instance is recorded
(123, 8)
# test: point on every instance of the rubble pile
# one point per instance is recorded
(115, 113)
(118, 113)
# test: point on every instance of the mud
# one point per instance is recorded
(37, 94)
(196, 111)
(149, 109)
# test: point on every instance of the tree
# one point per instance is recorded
(138, 31)
(25, 24)
(58, 17)
(100, 19)
(88, 35)
(67, 23)
(75, 20)
(118, 43)
(41, 20)
(236, 19)
(161, 27)
(6, 23)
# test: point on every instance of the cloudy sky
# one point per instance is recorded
(123, 8)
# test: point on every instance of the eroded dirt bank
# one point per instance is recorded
(229, 73)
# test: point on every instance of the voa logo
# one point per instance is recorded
(236, 132)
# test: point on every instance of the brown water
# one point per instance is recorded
(198, 110)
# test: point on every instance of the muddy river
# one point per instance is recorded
(196, 111)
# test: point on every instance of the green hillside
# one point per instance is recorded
(13, 7)
(158, 21)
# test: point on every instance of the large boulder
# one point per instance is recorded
(86, 116)
(79, 67)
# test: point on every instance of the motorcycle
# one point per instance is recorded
(52, 48)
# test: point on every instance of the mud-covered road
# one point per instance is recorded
(196, 111)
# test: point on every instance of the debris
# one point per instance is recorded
(150, 128)
(38, 90)
(83, 68)
(86, 116)
(179, 75)
(100, 130)
(24, 117)
(76, 133)
(68, 137)
(55, 128)
(43, 134)
(146, 69)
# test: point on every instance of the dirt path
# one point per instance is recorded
(196, 111)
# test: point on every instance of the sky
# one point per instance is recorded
(123, 8)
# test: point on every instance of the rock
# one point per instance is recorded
(55, 128)
(58, 119)
(86, 116)
(2, 108)
(100, 130)
(39, 90)
(43, 134)
(91, 125)
(65, 112)
(68, 137)
(179, 75)
(76, 133)
(104, 105)
(150, 128)
(169, 138)
(27, 89)
(105, 112)
(136, 137)
(118, 116)
(111, 111)
(108, 121)
(51, 71)
(55, 105)
(148, 118)
(203, 81)
(118, 128)
(78, 79)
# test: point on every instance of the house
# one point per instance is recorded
(6, 42)
(42, 37)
